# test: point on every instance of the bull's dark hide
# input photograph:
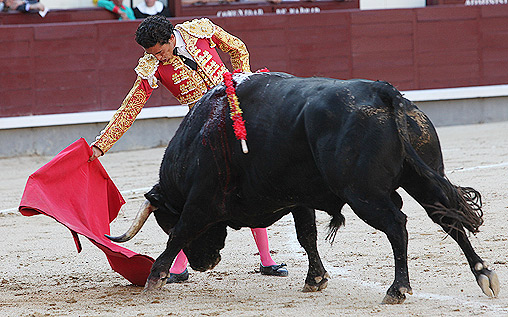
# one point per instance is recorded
(314, 143)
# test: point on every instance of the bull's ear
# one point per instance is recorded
(157, 200)
(154, 196)
(165, 221)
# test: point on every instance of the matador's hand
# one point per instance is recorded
(96, 152)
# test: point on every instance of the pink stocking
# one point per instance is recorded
(180, 263)
(261, 238)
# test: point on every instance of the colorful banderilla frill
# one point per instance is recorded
(235, 111)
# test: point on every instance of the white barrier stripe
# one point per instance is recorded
(461, 169)
(87, 117)
(456, 93)
(136, 191)
(7, 211)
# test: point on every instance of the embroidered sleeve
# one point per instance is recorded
(234, 47)
(125, 115)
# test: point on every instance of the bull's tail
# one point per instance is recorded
(472, 197)
(336, 222)
(452, 207)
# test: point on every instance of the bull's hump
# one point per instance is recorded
(239, 78)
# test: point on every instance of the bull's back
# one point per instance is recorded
(284, 107)
(308, 129)
(296, 129)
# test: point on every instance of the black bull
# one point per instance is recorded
(314, 143)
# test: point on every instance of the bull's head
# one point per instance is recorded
(203, 252)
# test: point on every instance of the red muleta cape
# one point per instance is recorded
(81, 196)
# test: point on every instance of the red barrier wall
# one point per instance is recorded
(57, 16)
(87, 66)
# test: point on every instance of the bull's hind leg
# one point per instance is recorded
(486, 278)
(433, 203)
(382, 214)
(306, 232)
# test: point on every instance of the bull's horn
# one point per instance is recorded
(138, 222)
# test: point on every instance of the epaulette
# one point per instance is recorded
(200, 28)
(147, 66)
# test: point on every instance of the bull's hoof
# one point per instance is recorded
(151, 285)
(396, 296)
(392, 300)
(320, 284)
(154, 283)
(487, 280)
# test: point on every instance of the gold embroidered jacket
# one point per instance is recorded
(201, 37)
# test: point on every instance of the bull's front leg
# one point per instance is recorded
(160, 268)
(397, 235)
(305, 224)
(189, 226)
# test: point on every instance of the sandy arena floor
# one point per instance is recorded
(41, 274)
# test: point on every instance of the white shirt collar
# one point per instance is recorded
(153, 10)
(180, 44)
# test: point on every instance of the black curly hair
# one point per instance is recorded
(154, 29)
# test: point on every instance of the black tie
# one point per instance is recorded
(187, 61)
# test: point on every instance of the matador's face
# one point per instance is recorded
(163, 52)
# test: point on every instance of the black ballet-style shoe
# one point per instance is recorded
(178, 278)
(274, 270)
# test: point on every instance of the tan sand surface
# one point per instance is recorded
(41, 274)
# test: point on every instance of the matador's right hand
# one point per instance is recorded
(96, 152)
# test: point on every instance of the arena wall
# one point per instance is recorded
(63, 67)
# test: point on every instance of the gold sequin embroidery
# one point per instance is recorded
(123, 118)
(200, 28)
(147, 66)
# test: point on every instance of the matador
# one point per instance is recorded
(195, 40)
